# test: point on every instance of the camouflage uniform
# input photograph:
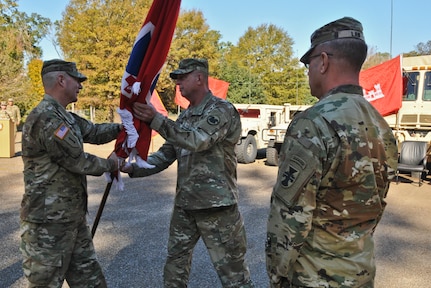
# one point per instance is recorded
(56, 240)
(336, 164)
(14, 112)
(202, 140)
(4, 114)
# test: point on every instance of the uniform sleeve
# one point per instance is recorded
(207, 131)
(64, 147)
(293, 199)
(162, 159)
(97, 133)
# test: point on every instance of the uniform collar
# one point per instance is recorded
(68, 116)
(351, 89)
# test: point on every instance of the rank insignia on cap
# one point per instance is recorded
(213, 120)
(61, 132)
(289, 176)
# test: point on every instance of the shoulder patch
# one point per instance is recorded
(213, 120)
(61, 131)
(289, 176)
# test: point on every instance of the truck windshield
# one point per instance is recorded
(412, 86)
(427, 87)
(249, 113)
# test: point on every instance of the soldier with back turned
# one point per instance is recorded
(336, 164)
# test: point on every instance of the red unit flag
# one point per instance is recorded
(218, 88)
(383, 86)
(146, 60)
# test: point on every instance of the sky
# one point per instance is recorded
(391, 26)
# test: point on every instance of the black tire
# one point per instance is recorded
(246, 150)
(271, 156)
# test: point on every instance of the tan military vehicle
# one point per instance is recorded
(255, 121)
(413, 120)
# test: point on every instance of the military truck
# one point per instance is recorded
(263, 127)
(274, 136)
(413, 120)
(255, 120)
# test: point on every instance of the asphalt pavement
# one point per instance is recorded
(132, 233)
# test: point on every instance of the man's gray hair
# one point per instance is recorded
(49, 79)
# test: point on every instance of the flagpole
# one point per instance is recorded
(392, 13)
(149, 52)
(101, 207)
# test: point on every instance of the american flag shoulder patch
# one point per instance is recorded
(61, 131)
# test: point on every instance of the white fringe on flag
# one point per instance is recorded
(127, 120)
(138, 160)
(132, 138)
(117, 181)
(136, 88)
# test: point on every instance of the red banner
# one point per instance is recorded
(158, 105)
(218, 88)
(383, 86)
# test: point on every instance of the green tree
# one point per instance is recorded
(20, 35)
(244, 87)
(99, 36)
(193, 38)
(266, 53)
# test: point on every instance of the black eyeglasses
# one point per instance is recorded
(315, 56)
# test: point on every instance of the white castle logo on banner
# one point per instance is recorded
(374, 94)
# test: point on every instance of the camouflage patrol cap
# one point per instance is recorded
(346, 27)
(10, 100)
(61, 65)
(3, 103)
(189, 65)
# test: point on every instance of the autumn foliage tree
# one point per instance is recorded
(99, 36)
(36, 90)
(20, 35)
(193, 38)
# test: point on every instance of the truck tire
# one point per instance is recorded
(246, 150)
(271, 156)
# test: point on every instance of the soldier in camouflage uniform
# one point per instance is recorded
(56, 242)
(336, 163)
(4, 114)
(202, 140)
(15, 114)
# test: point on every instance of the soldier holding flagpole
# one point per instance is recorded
(56, 242)
(202, 141)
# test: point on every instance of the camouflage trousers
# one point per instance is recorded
(57, 252)
(285, 283)
(222, 231)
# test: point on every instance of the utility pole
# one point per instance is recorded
(392, 13)
(297, 84)
(249, 84)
